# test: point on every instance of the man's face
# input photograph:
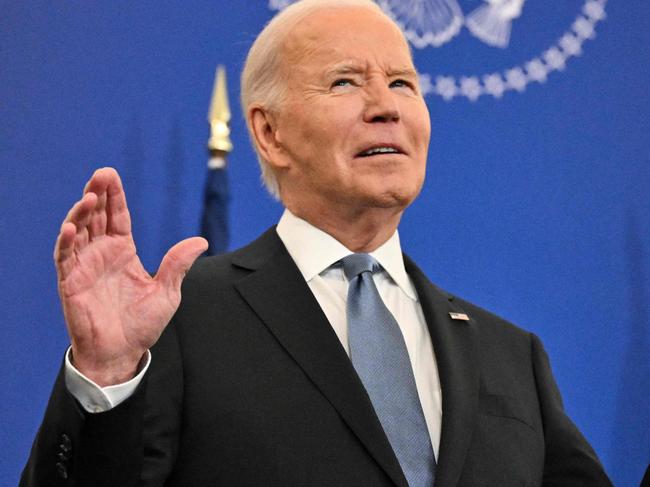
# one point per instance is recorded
(353, 129)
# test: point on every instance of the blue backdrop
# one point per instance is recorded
(535, 204)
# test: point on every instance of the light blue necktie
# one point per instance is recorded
(382, 362)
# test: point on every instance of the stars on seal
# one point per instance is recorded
(594, 10)
(426, 86)
(535, 70)
(279, 4)
(571, 44)
(494, 84)
(446, 87)
(470, 87)
(554, 59)
(516, 79)
(583, 28)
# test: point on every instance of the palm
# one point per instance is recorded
(113, 308)
(109, 296)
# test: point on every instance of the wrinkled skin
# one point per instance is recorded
(113, 308)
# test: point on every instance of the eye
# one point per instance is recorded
(401, 83)
(342, 82)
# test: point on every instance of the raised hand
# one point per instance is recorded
(113, 308)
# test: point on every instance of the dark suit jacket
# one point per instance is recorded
(249, 386)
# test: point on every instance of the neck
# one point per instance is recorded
(360, 231)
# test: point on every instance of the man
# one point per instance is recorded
(262, 377)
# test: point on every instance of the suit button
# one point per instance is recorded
(66, 445)
(66, 441)
(61, 471)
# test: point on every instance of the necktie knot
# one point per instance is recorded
(355, 264)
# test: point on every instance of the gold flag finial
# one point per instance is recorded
(219, 115)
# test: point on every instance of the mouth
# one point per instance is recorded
(380, 149)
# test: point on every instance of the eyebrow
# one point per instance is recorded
(402, 72)
(350, 68)
(346, 68)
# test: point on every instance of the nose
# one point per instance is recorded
(381, 103)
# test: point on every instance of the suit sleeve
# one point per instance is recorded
(569, 460)
(134, 443)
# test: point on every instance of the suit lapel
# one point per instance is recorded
(455, 344)
(278, 294)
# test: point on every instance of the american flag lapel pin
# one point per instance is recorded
(458, 316)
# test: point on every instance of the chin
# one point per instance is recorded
(392, 198)
(402, 194)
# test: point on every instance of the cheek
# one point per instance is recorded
(338, 120)
(424, 124)
(316, 130)
(420, 122)
(329, 140)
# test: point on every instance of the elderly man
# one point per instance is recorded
(318, 355)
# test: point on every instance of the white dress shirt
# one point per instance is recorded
(315, 252)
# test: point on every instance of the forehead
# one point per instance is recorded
(351, 35)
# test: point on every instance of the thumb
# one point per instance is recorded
(178, 260)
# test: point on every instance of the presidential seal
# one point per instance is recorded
(430, 24)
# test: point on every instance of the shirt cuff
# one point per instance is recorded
(94, 398)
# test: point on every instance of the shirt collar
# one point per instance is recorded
(314, 251)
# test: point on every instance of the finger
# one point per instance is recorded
(64, 249)
(178, 260)
(117, 212)
(106, 182)
(98, 218)
(73, 234)
(81, 210)
(79, 216)
(97, 184)
(81, 239)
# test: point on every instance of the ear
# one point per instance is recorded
(264, 128)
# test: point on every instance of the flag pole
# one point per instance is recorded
(214, 221)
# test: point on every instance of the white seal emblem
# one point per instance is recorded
(492, 22)
(425, 22)
(432, 23)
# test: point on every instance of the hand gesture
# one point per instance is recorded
(113, 308)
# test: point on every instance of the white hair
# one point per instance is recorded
(261, 80)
